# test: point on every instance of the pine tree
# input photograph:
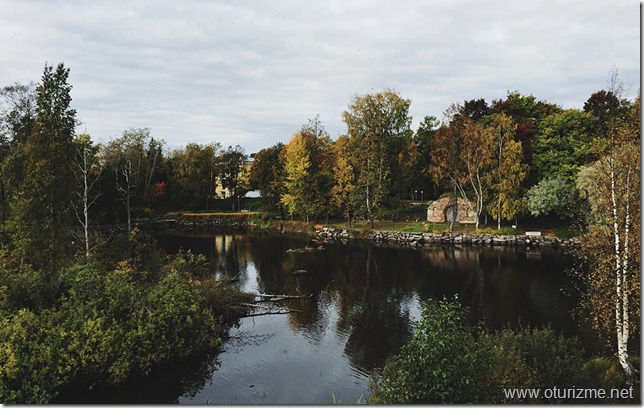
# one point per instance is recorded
(42, 214)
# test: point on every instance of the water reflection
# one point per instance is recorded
(359, 305)
(164, 385)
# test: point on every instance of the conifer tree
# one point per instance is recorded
(42, 215)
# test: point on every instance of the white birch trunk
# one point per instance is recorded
(621, 276)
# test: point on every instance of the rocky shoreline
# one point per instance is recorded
(217, 223)
(386, 238)
(429, 239)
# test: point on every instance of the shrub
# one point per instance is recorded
(106, 325)
(438, 365)
(530, 358)
(568, 232)
(445, 362)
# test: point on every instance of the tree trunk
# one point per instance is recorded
(621, 282)
(86, 215)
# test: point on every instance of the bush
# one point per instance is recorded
(568, 232)
(438, 365)
(106, 325)
(445, 362)
(530, 358)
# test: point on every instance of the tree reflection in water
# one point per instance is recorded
(364, 297)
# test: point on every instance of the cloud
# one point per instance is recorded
(253, 72)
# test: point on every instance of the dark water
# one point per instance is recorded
(363, 300)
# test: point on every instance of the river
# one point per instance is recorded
(362, 300)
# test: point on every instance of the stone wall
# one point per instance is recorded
(212, 222)
(436, 211)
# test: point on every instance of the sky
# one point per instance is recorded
(252, 72)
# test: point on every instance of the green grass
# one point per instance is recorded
(221, 214)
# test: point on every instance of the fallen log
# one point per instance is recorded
(271, 297)
(282, 310)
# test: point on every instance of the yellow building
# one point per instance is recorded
(221, 192)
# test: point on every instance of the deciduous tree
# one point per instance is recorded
(193, 175)
(232, 170)
(509, 172)
(17, 117)
(564, 144)
(267, 175)
(343, 191)
(552, 195)
(297, 168)
(134, 159)
(477, 157)
(378, 127)
(611, 248)
(87, 170)
(308, 165)
(445, 164)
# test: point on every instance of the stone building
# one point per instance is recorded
(445, 209)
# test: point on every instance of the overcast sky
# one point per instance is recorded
(253, 72)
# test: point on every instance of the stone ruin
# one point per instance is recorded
(445, 209)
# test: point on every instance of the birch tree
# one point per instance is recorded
(134, 159)
(87, 170)
(509, 172)
(477, 158)
(611, 248)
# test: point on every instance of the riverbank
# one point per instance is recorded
(216, 221)
(430, 239)
(222, 222)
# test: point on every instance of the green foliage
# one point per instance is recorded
(192, 178)
(133, 161)
(438, 365)
(267, 176)
(568, 232)
(449, 361)
(552, 195)
(308, 161)
(564, 144)
(549, 358)
(378, 129)
(42, 219)
(105, 325)
(232, 169)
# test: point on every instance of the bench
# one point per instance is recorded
(533, 233)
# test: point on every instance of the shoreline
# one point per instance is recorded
(429, 239)
(224, 223)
